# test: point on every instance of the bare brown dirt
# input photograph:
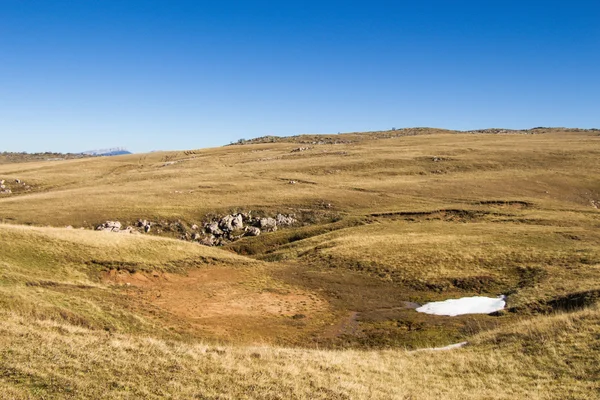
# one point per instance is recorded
(228, 304)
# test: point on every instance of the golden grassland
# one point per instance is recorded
(551, 358)
(322, 309)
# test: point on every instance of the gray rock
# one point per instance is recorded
(252, 231)
(129, 230)
(231, 223)
(194, 227)
(225, 223)
(213, 228)
(283, 220)
(110, 226)
(142, 223)
(268, 224)
(196, 236)
(17, 181)
(299, 149)
(238, 222)
(208, 241)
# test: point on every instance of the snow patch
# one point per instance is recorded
(465, 305)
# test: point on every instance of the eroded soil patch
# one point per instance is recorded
(229, 304)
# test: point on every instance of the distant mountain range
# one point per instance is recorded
(115, 151)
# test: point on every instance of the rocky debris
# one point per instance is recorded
(142, 223)
(129, 230)
(16, 186)
(595, 204)
(284, 220)
(217, 231)
(233, 227)
(268, 224)
(230, 223)
(299, 149)
(115, 226)
(213, 228)
(292, 182)
(109, 226)
(209, 241)
(252, 231)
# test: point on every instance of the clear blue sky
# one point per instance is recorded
(151, 74)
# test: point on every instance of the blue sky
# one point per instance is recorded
(160, 75)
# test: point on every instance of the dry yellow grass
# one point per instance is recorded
(366, 176)
(552, 358)
(387, 220)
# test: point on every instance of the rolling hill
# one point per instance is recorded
(323, 307)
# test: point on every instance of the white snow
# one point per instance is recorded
(465, 305)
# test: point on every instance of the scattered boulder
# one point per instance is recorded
(142, 223)
(230, 223)
(282, 220)
(268, 224)
(110, 226)
(215, 232)
(213, 228)
(252, 231)
(17, 181)
(129, 230)
(209, 241)
(299, 149)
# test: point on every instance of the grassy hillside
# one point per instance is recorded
(321, 309)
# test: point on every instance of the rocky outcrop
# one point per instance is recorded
(232, 227)
(109, 226)
(18, 186)
(252, 231)
(213, 229)
(230, 223)
(268, 224)
(285, 220)
(215, 232)
(145, 225)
